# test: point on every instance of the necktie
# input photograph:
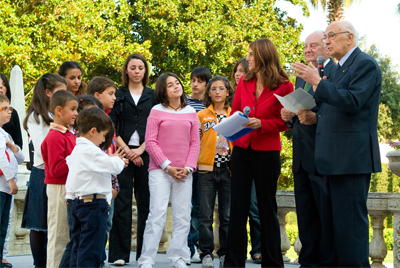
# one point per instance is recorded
(307, 87)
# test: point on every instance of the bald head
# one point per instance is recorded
(341, 37)
(314, 47)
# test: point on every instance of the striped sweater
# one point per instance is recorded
(172, 136)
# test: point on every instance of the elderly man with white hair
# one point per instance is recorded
(346, 144)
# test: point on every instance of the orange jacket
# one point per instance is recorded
(208, 138)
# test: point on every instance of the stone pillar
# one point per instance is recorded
(285, 242)
(18, 103)
(394, 206)
(377, 247)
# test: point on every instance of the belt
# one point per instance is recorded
(91, 197)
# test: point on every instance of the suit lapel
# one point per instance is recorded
(340, 72)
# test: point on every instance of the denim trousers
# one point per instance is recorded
(89, 220)
(255, 225)
(211, 185)
(193, 237)
(5, 204)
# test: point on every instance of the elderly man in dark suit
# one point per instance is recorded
(346, 148)
(309, 186)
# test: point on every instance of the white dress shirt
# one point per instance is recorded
(90, 169)
(37, 132)
(10, 169)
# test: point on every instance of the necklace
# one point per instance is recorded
(176, 109)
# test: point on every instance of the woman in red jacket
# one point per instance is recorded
(256, 156)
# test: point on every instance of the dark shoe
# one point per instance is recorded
(257, 260)
(9, 265)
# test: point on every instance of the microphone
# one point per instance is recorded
(320, 61)
(246, 111)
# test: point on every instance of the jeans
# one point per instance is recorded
(211, 183)
(255, 225)
(193, 236)
(89, 221)
(5, 204)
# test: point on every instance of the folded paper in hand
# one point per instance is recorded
(297, 100)
(231, 128)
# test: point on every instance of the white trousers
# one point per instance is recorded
(162, 187)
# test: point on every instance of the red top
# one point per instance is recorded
(55, 148)
(267, 108)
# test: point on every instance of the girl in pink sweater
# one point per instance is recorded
(172, 141)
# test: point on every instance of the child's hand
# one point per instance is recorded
(126, 161)
(114, 194)
(13, 187)
(12, 146)
(120, 153)
(177, 173)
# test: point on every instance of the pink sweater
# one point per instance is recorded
(172, 136)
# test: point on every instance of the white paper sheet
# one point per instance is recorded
(231, 125)
(297, 100)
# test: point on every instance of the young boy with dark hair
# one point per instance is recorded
(198, 82)
(10, 156)
(90, 171)
(103, 89)
(58, 144)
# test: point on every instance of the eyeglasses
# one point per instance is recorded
(332, 35)
(6, 109)
(214, 89)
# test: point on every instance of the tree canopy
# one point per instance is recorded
(173, 35)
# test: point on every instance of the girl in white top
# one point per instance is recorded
(37, 123)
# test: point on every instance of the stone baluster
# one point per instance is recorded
(394, 206)
(377, 247)
(285, 242)
(297, 248)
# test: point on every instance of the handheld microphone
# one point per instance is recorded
(246, 111)
(320, 61)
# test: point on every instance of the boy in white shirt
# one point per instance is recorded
(10, 156)
(90, 170)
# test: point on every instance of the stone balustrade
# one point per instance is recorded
(380, 205)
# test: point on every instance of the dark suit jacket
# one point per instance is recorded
(347, 139)
(304, 135)
(129, 117)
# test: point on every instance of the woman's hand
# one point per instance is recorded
(286, 115)
(114, 194)
(138, 161)
(134, 153)
(254, 123)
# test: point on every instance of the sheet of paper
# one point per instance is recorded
(297, 100)
(231, 128)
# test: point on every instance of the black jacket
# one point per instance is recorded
(128, 117)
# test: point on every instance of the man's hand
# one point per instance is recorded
(307, 117)
(13, 187)
(307, 73)
(286, 114)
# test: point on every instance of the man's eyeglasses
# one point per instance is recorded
(214, 89)
(332, 35)
(6, 109)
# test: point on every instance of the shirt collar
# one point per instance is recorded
(326, 62)
(346, 56)
(60, 128)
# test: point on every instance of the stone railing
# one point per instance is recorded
(380, 205)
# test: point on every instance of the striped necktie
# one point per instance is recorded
(307, 87)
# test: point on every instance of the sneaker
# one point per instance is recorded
(221, 261)
(207, 262)
(119, 262)
(146, 265)
(180, 263)
(196, 257)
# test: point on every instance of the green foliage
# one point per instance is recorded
(285, 181)
(292, 232)
(389, 115)
(40, 35)
(212, 33)
(385, 181)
